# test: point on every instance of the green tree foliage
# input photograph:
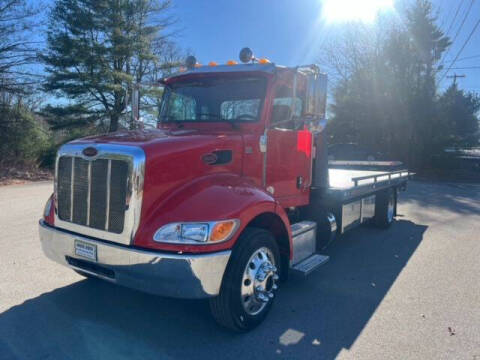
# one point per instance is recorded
(23, 141)
(24, 138)
(97, 50)
(457, 110)
(387, 99)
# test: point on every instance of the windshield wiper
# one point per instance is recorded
(216, 116)
(179, 122)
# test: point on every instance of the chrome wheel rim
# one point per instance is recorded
(390, 208)
(259, 281)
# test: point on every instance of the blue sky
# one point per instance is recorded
(217, 30)
(291, 32)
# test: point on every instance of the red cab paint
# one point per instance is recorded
(180, 186)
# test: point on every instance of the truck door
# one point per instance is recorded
(289, 150)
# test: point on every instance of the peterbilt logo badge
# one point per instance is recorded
(90, 151)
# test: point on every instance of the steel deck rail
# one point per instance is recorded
(388, 176)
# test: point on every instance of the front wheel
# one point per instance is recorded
(249, 283)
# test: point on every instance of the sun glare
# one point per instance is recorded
(353, 10)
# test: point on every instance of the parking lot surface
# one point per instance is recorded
(409, 292)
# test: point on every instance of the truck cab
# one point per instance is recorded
(229, 195)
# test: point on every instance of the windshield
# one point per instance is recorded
(213, 99)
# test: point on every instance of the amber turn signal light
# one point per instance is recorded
(222, 230)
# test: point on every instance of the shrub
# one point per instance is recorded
(23, 140)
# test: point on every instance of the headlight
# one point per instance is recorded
(48, 206)
(197, 233)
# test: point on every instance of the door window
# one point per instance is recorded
(283, 104)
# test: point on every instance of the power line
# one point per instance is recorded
(465, 68)
(469, 57)
(460, 28)
(455, 17)
(463, 47)
(461, 59)
(441, 8)
(465, 58)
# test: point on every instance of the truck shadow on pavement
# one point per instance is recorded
(316, 317)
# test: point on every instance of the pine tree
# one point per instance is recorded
(388, 101)
(97, 50)
(459, 113)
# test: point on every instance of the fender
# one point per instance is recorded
(209, 198)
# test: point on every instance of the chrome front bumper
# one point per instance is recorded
(166, 274)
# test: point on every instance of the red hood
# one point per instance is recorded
(138, 137)
(174, 157)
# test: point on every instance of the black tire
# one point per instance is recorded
(227, 307)
(385, 205)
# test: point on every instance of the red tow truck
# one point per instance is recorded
(227, 198)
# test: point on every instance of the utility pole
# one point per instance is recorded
(455, 76)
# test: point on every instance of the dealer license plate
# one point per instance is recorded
(86, 250)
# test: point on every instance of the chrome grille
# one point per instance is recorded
(100, 195)
(93, 193)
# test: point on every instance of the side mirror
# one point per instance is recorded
(316, 96)
(315, 124)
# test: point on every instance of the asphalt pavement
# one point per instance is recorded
(409, 292)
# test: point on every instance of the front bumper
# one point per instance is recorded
(166, 274)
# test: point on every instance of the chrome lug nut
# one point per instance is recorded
(261, 275)
(262, 297)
